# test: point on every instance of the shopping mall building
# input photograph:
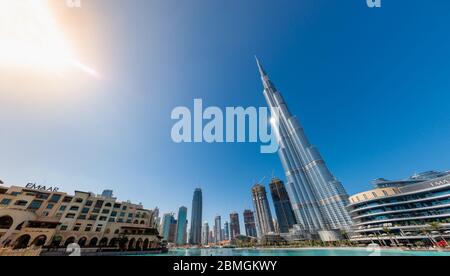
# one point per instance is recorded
(410, 211)
(43, 216)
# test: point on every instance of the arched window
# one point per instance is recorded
(146, 244)
(19, 227)
(82, 242)
(69, 241)
(39, 241)
(139, 244)
(93, 242)
(131, 244)
(22, 242)
(103, 242)
(114, 242)
(117, 231)
(6, 222)
(56, 242)
(108, 204)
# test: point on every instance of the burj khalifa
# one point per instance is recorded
(319, 200)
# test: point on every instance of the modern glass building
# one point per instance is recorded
(416, 209)
(250, 224)
(218, 229)
(264, 220)
(235, 228)
(205, 234)
(319, 200)
(195, 235)
(181, 226)
(282, 204)
(226, 231)
(167, 221)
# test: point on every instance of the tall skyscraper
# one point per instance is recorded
(167, 221)
(173, 231)
(262, 208)
(235, 228)
(218, 229)
(205, 233)
(282, 204)
(211, 236)
(181, 226)
(250, 225)
(157, 218)
(318, 198)
(226, 231)
(195, 236)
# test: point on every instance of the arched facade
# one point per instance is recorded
(88, 220)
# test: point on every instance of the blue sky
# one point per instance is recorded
(370, 86)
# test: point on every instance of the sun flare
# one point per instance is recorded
(31, 39)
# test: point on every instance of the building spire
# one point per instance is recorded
(261, 69)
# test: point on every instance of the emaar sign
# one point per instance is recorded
(34, 186)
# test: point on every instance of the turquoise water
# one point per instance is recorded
(299, 252)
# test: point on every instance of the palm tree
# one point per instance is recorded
(392, 238)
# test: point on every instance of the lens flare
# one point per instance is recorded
(31, 39)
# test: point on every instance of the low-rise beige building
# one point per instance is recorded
(45, 217)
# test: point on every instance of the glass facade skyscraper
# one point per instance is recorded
(205, 233)
(226, 231)
(319, 200)
(235, 228)
(283, 208)
(218, 229)
(181, 226)
(167, 221)
(250, 224)
(195, 235)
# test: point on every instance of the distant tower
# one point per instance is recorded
(319, 200)
(282, 204)
(262, 208)
(226, 231)
(195, 236)
(167, 222)
(205, 233)
(211, 236)
(107, 193)
(235, 228)
(218, 229)
(250, 224)
(181, 226)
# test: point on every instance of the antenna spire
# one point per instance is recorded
(261, 69)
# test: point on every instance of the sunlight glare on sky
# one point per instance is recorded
(30, 39)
